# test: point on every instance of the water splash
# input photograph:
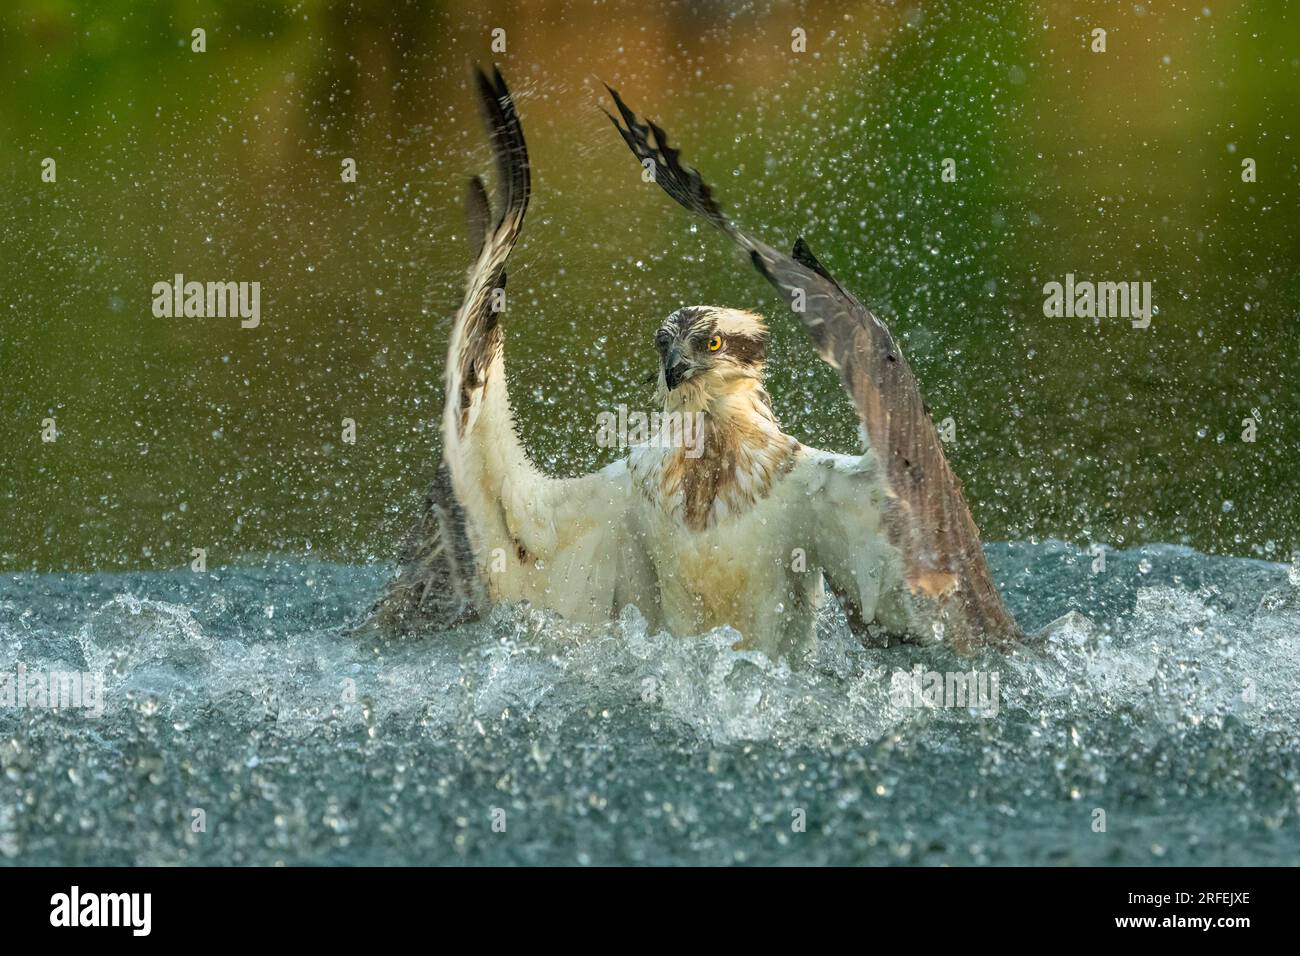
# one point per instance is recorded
(238, 694)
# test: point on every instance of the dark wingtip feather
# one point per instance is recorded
(628, 116)
(685, 185)
(497, 107)
(478, 214)
(803, 255)
(486, 88)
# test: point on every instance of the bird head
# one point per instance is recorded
(706, 349)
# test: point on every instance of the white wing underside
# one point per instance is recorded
(572, 545)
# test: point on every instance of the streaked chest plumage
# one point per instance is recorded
(727, 558)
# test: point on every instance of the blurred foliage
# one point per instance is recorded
(182, 433)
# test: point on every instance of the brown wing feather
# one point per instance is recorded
(481, 341)
(929, 522)
(438, 585)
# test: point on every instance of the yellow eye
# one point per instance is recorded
(715, 343)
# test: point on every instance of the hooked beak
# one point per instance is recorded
(674, 368)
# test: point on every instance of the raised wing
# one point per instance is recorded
(926, 516)
(493, 527)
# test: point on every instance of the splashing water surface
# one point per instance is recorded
(524, 739)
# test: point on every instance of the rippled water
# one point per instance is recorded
(238, 693)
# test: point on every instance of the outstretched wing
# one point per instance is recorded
(494, 528)
(926, 516)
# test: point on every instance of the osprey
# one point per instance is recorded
(745, 527)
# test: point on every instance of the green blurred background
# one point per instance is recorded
(225, 165)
